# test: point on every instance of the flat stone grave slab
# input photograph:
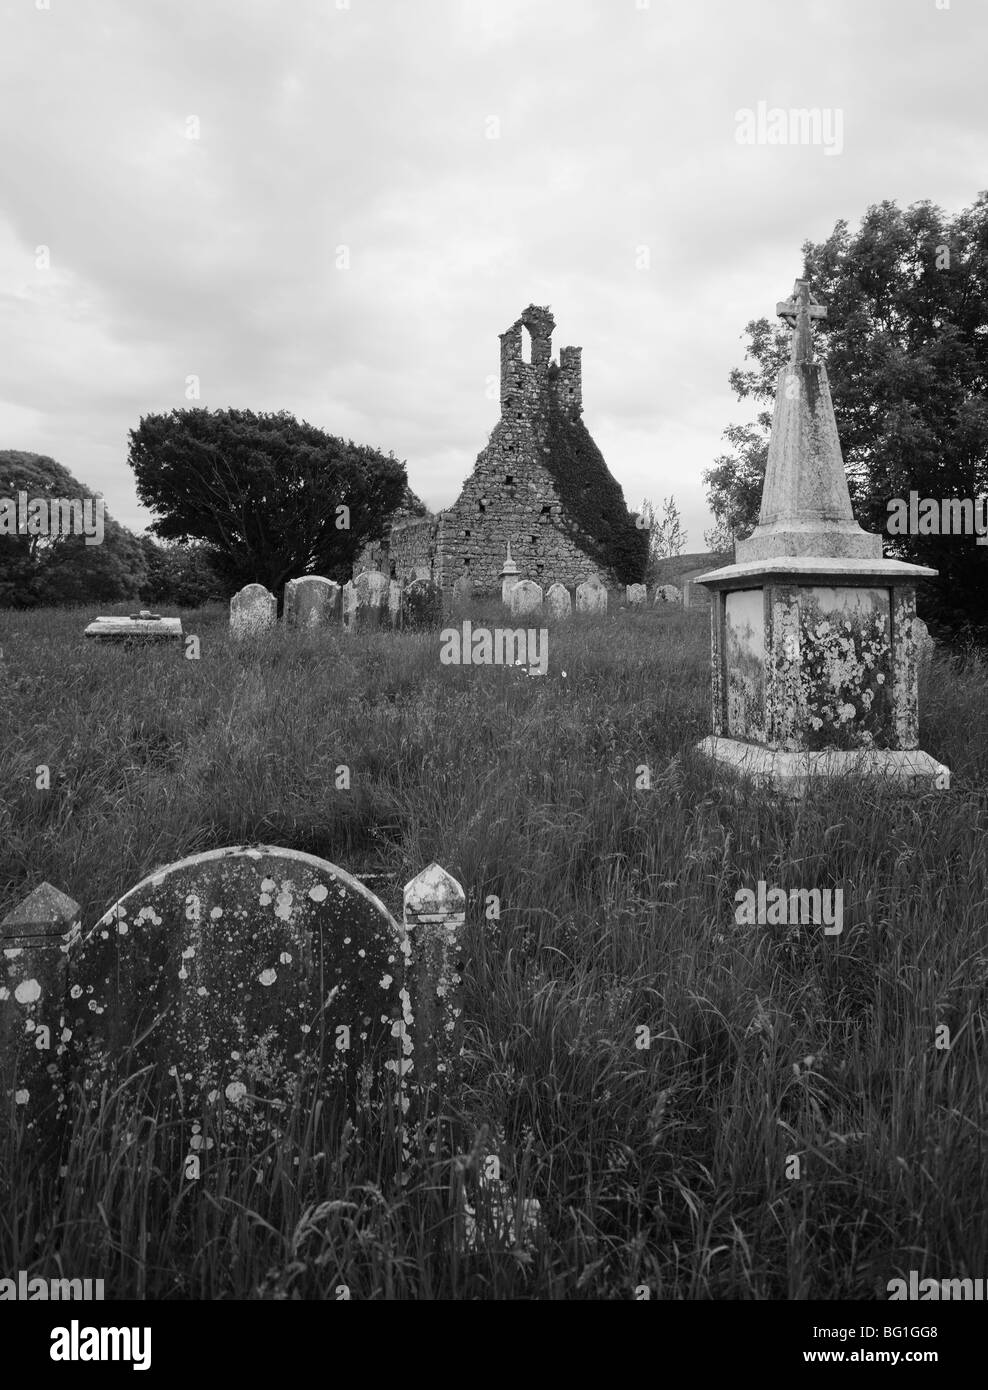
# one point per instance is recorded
(143, 627)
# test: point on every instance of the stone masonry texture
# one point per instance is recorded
(541, 483)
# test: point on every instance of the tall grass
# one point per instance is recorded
(667, 1165)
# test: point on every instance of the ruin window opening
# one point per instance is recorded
(546, 510)
(509, 478)
(526, 345)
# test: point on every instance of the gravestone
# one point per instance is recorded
(372, 595)
(236, 970)
(394, 602)
(462, 593)
(422, 605)
(252, 611)
(525, 597)
(139, 629)
(591, 596)
(311, 601)
(923, 642)
(559, 603)
(349, 601)
(508, 576)
(635, 595)
(666, 593)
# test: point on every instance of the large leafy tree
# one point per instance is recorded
(906, 347)
(272, 498)
(62, 569)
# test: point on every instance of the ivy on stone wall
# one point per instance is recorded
(593, 502)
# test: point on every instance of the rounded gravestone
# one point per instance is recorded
(666, 593)
(239, 970)
(559, 603)
(311, 601)
(422, 605)
(525, 597)
(253, 609)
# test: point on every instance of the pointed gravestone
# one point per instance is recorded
(311, 601)
(813, 655)
(591, 596)
(252, 611)
(525, 597)
(509, 576)
(33, 978)
(559, 603)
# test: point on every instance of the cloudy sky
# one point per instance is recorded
(334, 207)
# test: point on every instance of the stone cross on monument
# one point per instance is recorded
(799, 310)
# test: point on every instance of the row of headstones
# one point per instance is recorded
(525, 596)
(312, 601)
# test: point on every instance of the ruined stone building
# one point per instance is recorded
(541, 484)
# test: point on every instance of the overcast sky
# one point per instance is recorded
(367, 126)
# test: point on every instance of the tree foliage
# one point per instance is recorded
(43, 569)
(270, 497)
(178, 575)
(905, 342)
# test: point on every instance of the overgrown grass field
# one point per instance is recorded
(669, 1166)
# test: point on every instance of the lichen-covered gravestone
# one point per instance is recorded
(591, 596)
(559, 603)
(311, 601)
(252, 611)
(422, 605)
(238, 970)
(666, 593)
(525, 597)
(635, 595)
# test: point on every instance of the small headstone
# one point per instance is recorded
(925, 645)
(394, 602)
(559, 603)
(666, 593)
(144, 628)
(422, 605)
(462, 593)
(636, 594)
(372, 596)
(311, 601)
(525, 597)
(252, 610)
(591, 596)
(253, 965)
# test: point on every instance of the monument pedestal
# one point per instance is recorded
(794, 774)
(813, 646)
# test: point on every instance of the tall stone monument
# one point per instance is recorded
(813, 657)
